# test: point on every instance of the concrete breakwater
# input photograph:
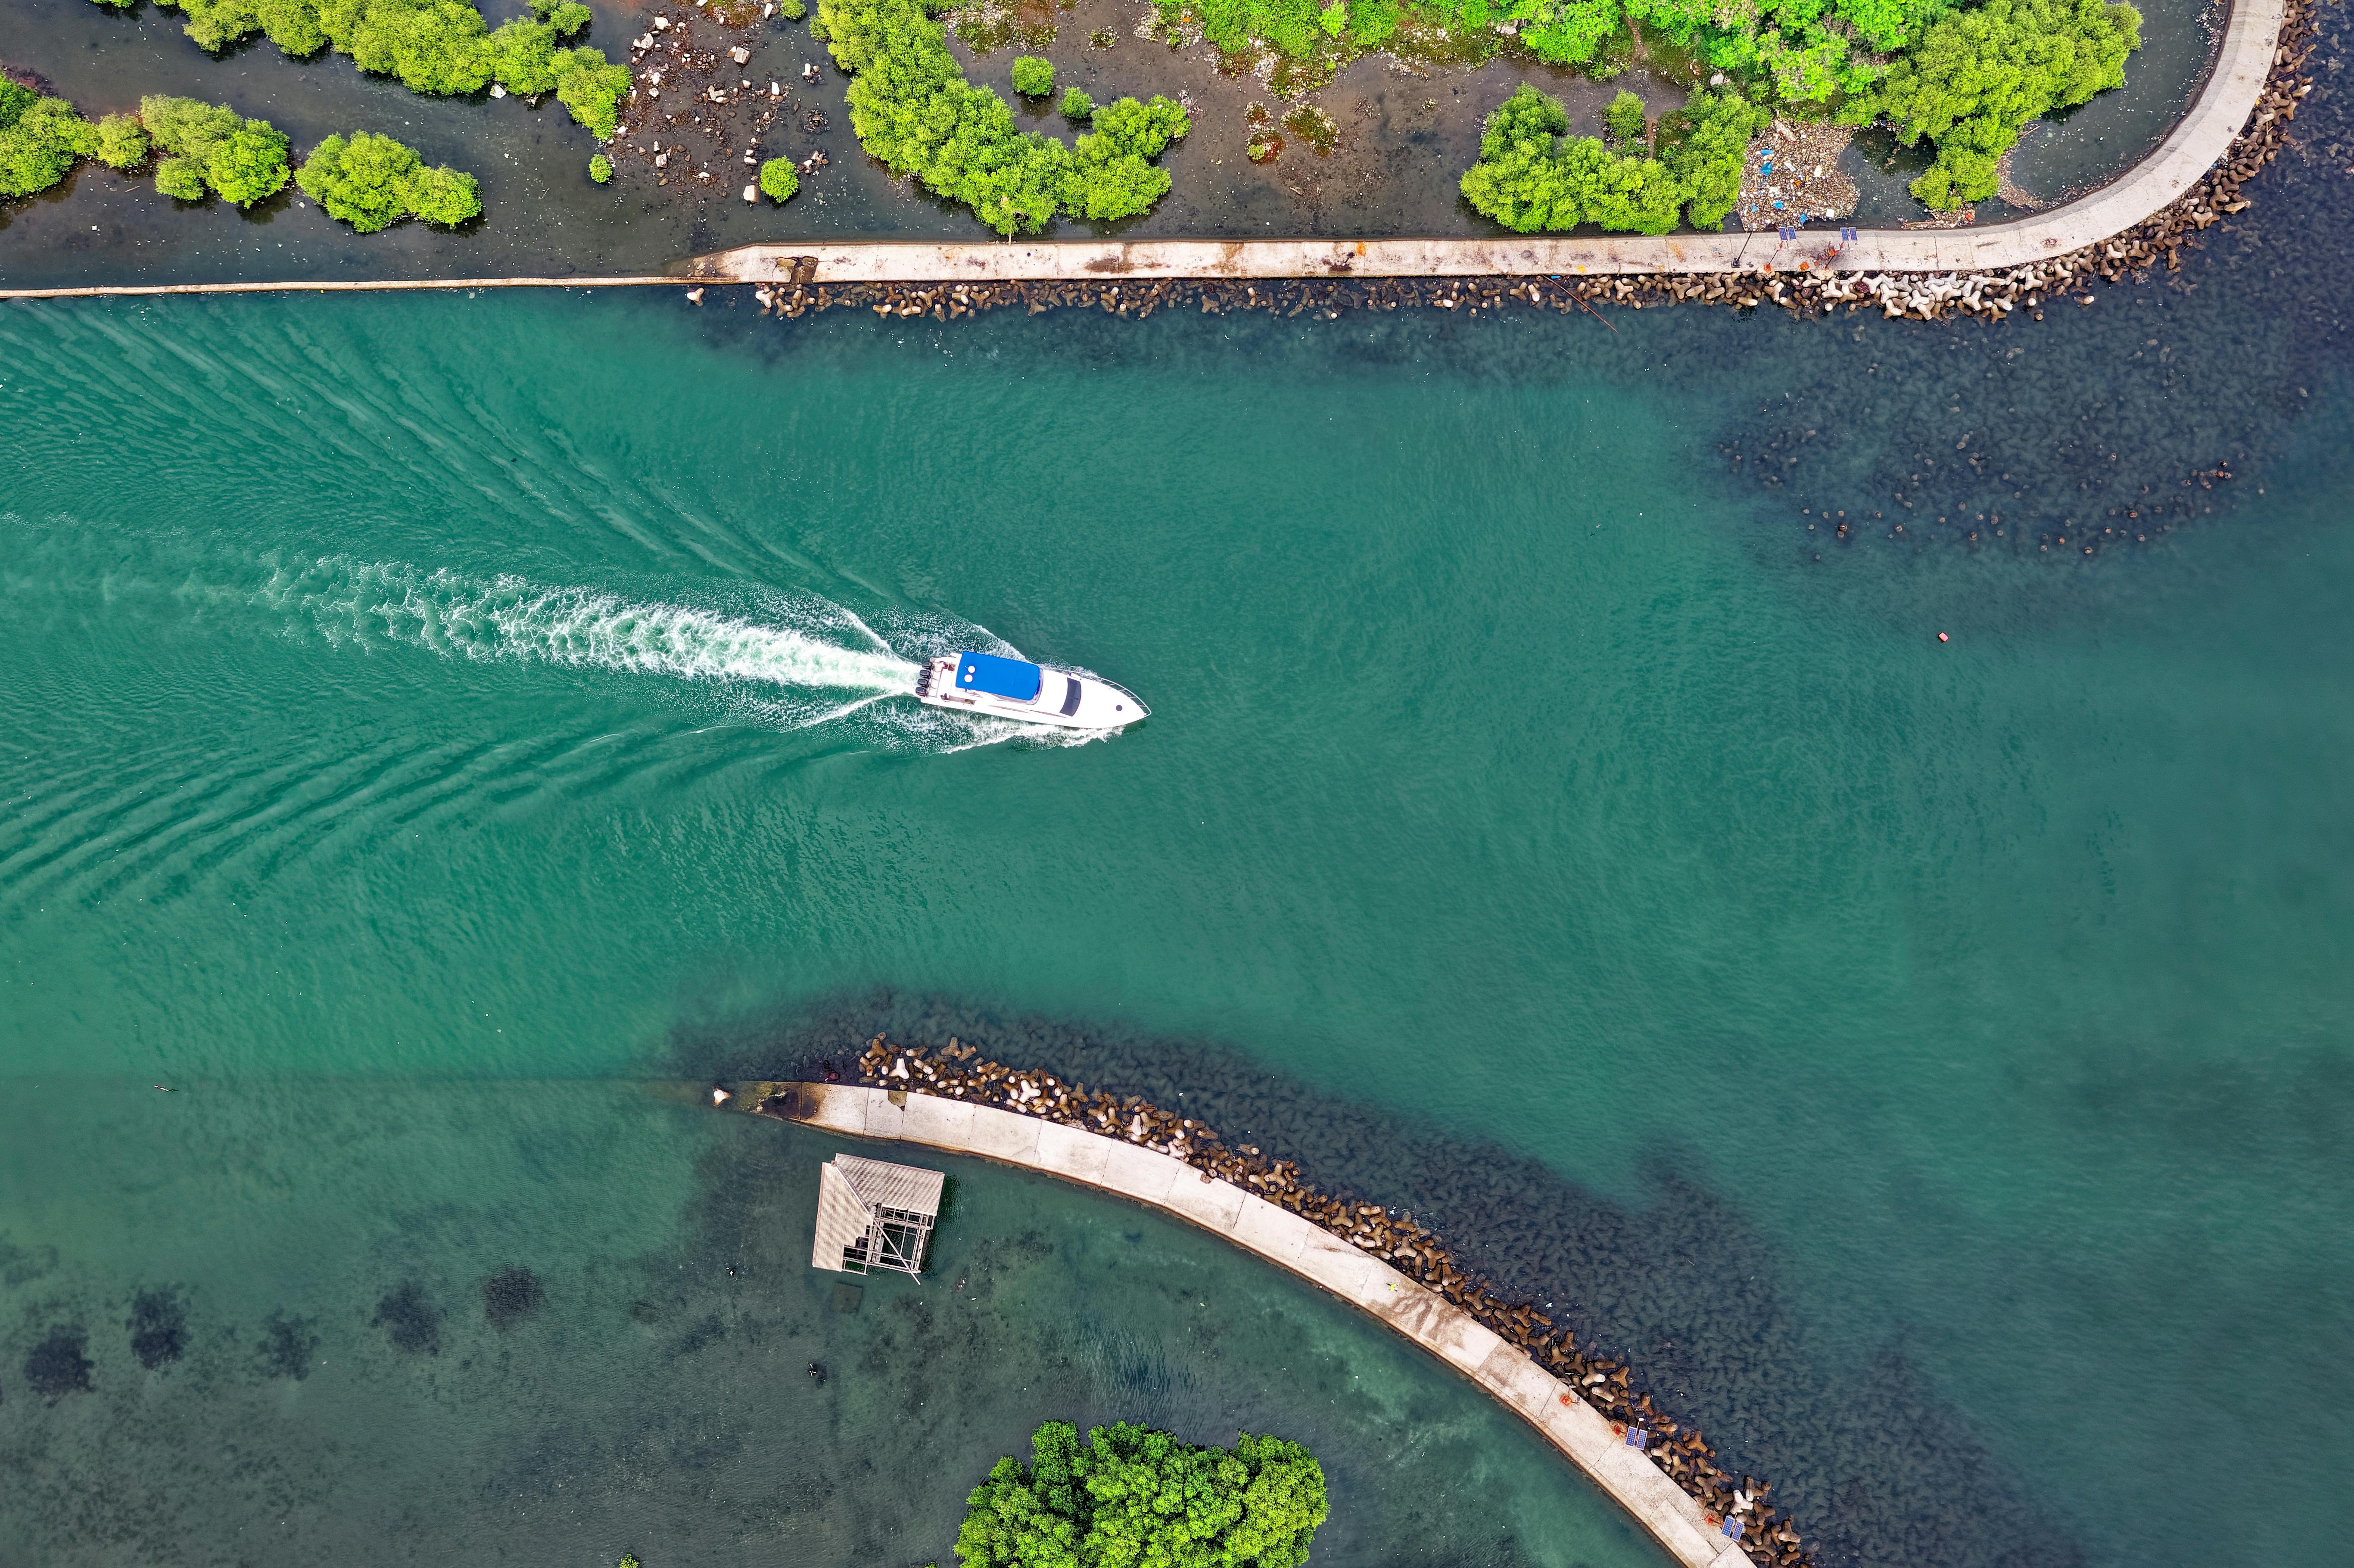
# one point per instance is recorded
(2192, 182)
(1663, 1471)
(1809, 277)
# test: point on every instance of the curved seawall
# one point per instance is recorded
(1165, 1183)
(2204, 134)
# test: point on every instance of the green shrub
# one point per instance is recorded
(779, 180)
(1571, 32)
(183, 179)
(1076, 105)
(40, 138)
(1706, 145)
(444, 196)
(1808, 51)
(1032, 76)
(121, 142)
(371, 182)
(1625, 117)
(1977, 77)
(440, 47)
(1133, 1496)
(250, 164)
(1114, 176)
(793, 10)
(592, 89)
(364, 180)
(600, 167)
(238, 159)
(215, 24)
(1530, 176)
(911, 108)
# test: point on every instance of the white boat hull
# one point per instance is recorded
(1066, 699)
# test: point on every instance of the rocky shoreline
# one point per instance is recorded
(957, 1072)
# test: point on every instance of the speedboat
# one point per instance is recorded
(1017, 689)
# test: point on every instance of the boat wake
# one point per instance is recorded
(795, 662)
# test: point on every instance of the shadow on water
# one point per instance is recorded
(1875, 1464)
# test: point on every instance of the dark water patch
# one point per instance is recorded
(58, 1365)
(2104, 424)
(409, 1319)
(511, 1295)
(1874, 1466)
(159, 1327)
(21, 1266)
(703, 1334)
(287, 1345)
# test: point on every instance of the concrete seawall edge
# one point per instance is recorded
(1164, 1182)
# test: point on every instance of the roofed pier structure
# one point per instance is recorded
(873, 1216)
(1582, 1434)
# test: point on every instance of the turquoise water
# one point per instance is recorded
(432, 724)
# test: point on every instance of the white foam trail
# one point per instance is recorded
(508, 618)
(820, 663)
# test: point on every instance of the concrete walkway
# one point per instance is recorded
(1307, 1250)
(2204, 135)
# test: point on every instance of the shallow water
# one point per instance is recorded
(658, 1397)
(1929, 1059)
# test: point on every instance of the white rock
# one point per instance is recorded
(739, 54)
(751, 192)
(498, 91)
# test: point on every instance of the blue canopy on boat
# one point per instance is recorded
(1015, 678)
